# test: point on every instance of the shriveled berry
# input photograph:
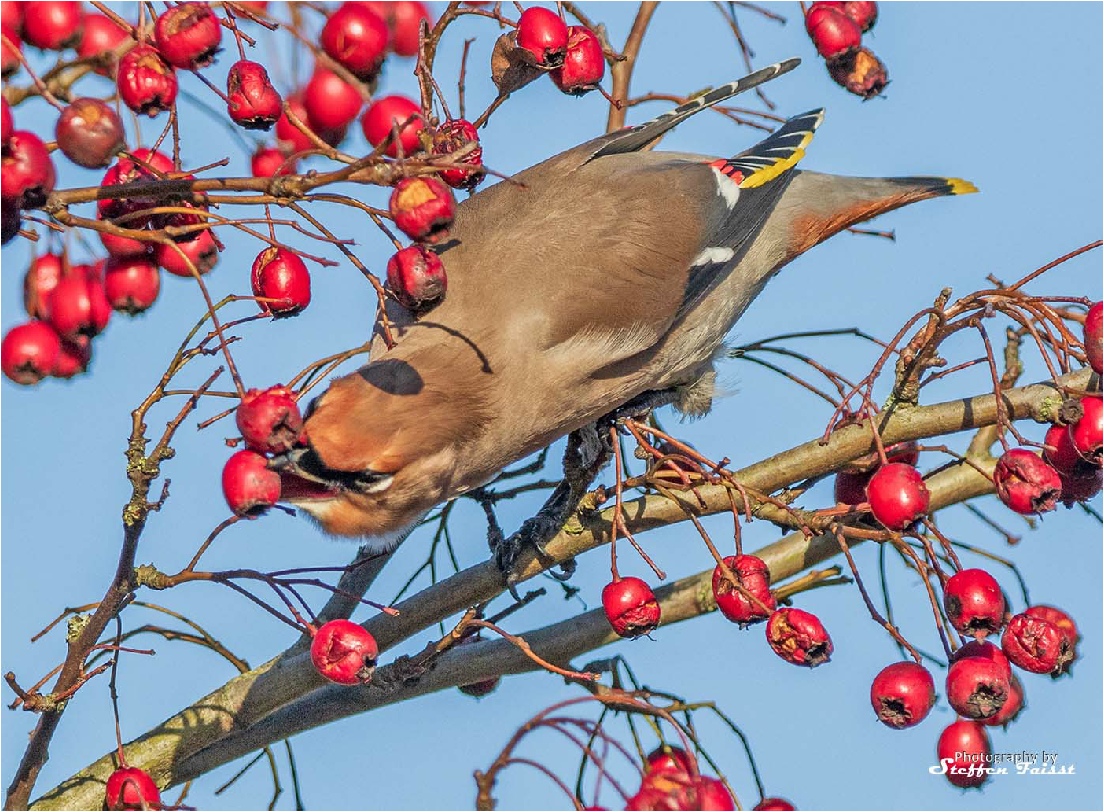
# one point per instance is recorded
(279, 275)
(974, 603)
(631, 607)
(416, 278)
(774, 805)
(131, 284)
(902, 694)
(897, 495)
(1054, 615)
(962, 749)
(147, 83)
(383, 115)
(29, 352)
(52, 24)
(850, 488)
(249, 487)
(1036, 645)
(668, 758)
(451, 136)
(1087, 434)
(754, 577)
(331, 102)
(404, 21)
(423, 208)
(267, 162)
(131, 788)
(1025, 483)
(78, 305)
(860, 73)
(100, 38)
(1013, 704)
(90, 133)
(356, 37)
(202, 252)
(42, 276)
(269, 420)
(74, 357)
(10, 220)
(344, 652)
(833, 33)
(1094, 337)
(584, 64)
(252, 101)
(977, 687)
(799, 637)
(543, 34)
(188, 35)
(27, 176)
(1081, 484)
(863, 12)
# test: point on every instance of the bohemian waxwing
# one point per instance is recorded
(603, 275)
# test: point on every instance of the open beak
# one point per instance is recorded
(296, 482)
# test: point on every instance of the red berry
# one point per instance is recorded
(859, 72)
(131, 788)
(799, 637)
(249, 487)
(1094, 336)
(1012, 706)
(1025, 483)
(28, 173)
(1060, 619)
(12, 49)
(344, 652)
(89, 133)
(11, 14)
(123, 246)
(712, 794)
(974, 602)
(202, 251)
(977, 687)
(7, 125)
(423, 208)
(147, 84)
(833, 33)
(331, 102)
(669, 759)
(416, 278)
(74, 357)
(850, 487)
(101, 38)
(289, 136)
(29, 352)
(39, 282)
(584, 64)
(78, 305)
(1087, 434)
(543, 34)
(1058, 450)
(631, 607)
(680, 790)
(52, 24)
(131, 284)
(252, 100)
(280, 275)
(774, 805)
(902, 694)
(987, 651)
(268, 162)
(753, 575)
(269, 420)
(390, 112)
(863, 12)
(404, 20)
(897, 495)
(962, 749)
(1037, 645)
(356, 37)
(147, 165)
(451, 136)
(188, 35)
(816, 11)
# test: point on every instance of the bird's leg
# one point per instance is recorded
(588, 451)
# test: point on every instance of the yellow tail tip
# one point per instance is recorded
(961, 187)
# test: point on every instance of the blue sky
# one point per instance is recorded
(1007, 95)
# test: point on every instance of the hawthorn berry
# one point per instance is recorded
(385, 114)
(144, 165)
(78, 305)
(331, 102)
(42, 276)
(631, 607)
(29, 352)
(249, 487)
(267, 162)
(280, 276)
(850, 487)
(73, 358)
(1094, 336)
(1011, 708)
(89, 133)
(188, 35)
(962, 749)
(101, 37)
(416, 278)
(1058, 450)
(356, 37)
(986, 650)
(344, 652)
(974, 603)
(291, 137)
(27, 176)
(11, 14)
(1087, 434)
(451, 136)
(252, 101)
(118, 246)
(146, 82)
(902, 694)
(201, 251)
(131, 284)
(1037, 645)
(1081, 484)
(52, 25)
(897, 495)
(753, 575)
(863, 12)
(404, 20)
(269, 420)
(584, 64)
(860, 73)
(799, 637)
(1063, 621)
(977, 687)
(774, 805)
(667, 758)
(1025, 483)
(131, 788)
(543, 34)
(423, 208)
(834, 34)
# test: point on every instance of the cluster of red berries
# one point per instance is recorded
(836, 29)
(571, 54)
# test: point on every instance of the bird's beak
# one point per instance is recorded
(296, 482)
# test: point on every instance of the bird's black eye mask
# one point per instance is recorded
(306, 464)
